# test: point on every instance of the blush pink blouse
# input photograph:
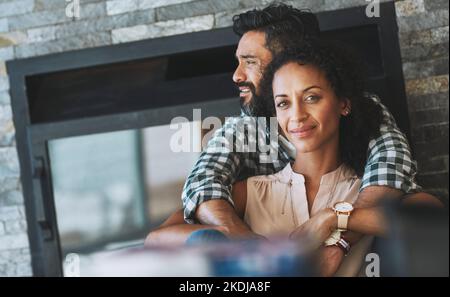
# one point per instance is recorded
(277, 204)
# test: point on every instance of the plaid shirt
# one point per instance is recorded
(220, 165)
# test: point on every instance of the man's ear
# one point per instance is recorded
(346, 107)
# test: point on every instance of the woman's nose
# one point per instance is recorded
(239, 75)
(298, 112)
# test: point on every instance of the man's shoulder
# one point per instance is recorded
(388, 118)
(374, 97)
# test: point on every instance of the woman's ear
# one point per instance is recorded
(346, 107)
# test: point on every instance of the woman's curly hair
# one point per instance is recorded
(344, 72)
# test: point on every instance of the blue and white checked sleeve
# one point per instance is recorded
(220, 165)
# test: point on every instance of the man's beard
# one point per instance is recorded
(257, 106)
(248, 107)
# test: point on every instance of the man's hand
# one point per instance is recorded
(318, 228)
(220, 213)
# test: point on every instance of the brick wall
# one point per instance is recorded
(37, 27)
(423, 28)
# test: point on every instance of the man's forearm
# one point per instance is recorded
(216, 212)
(367, 221)
(219, 212)
(373, 195)
(174, 234)
(368, 198)
(371, 217)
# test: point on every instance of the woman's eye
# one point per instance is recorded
(311, 98)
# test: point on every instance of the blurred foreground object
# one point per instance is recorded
(235, 258)
(417, 243)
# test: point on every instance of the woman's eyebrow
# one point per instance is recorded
(305, 90)
(281, 95)
(311, 87)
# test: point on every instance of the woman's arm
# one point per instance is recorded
(367, 221)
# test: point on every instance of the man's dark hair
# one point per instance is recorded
(283, 25)
(344, 72)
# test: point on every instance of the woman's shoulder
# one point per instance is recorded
(263, 178)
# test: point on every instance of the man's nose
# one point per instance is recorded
(239, 75)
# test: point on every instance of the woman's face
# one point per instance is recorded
(307, 108)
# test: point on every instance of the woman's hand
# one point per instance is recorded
(330, 258)
(318, 228)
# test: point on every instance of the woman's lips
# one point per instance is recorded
(303, 131)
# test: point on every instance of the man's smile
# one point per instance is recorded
(244, 91)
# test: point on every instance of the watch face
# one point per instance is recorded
(343, 206)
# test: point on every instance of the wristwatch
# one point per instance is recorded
(342, 210)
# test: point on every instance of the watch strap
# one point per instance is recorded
(333, 239)
(342, 221)
(344, 245)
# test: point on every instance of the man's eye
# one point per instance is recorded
(250, 62)
(281, 104)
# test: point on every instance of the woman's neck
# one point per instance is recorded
(313, 165)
